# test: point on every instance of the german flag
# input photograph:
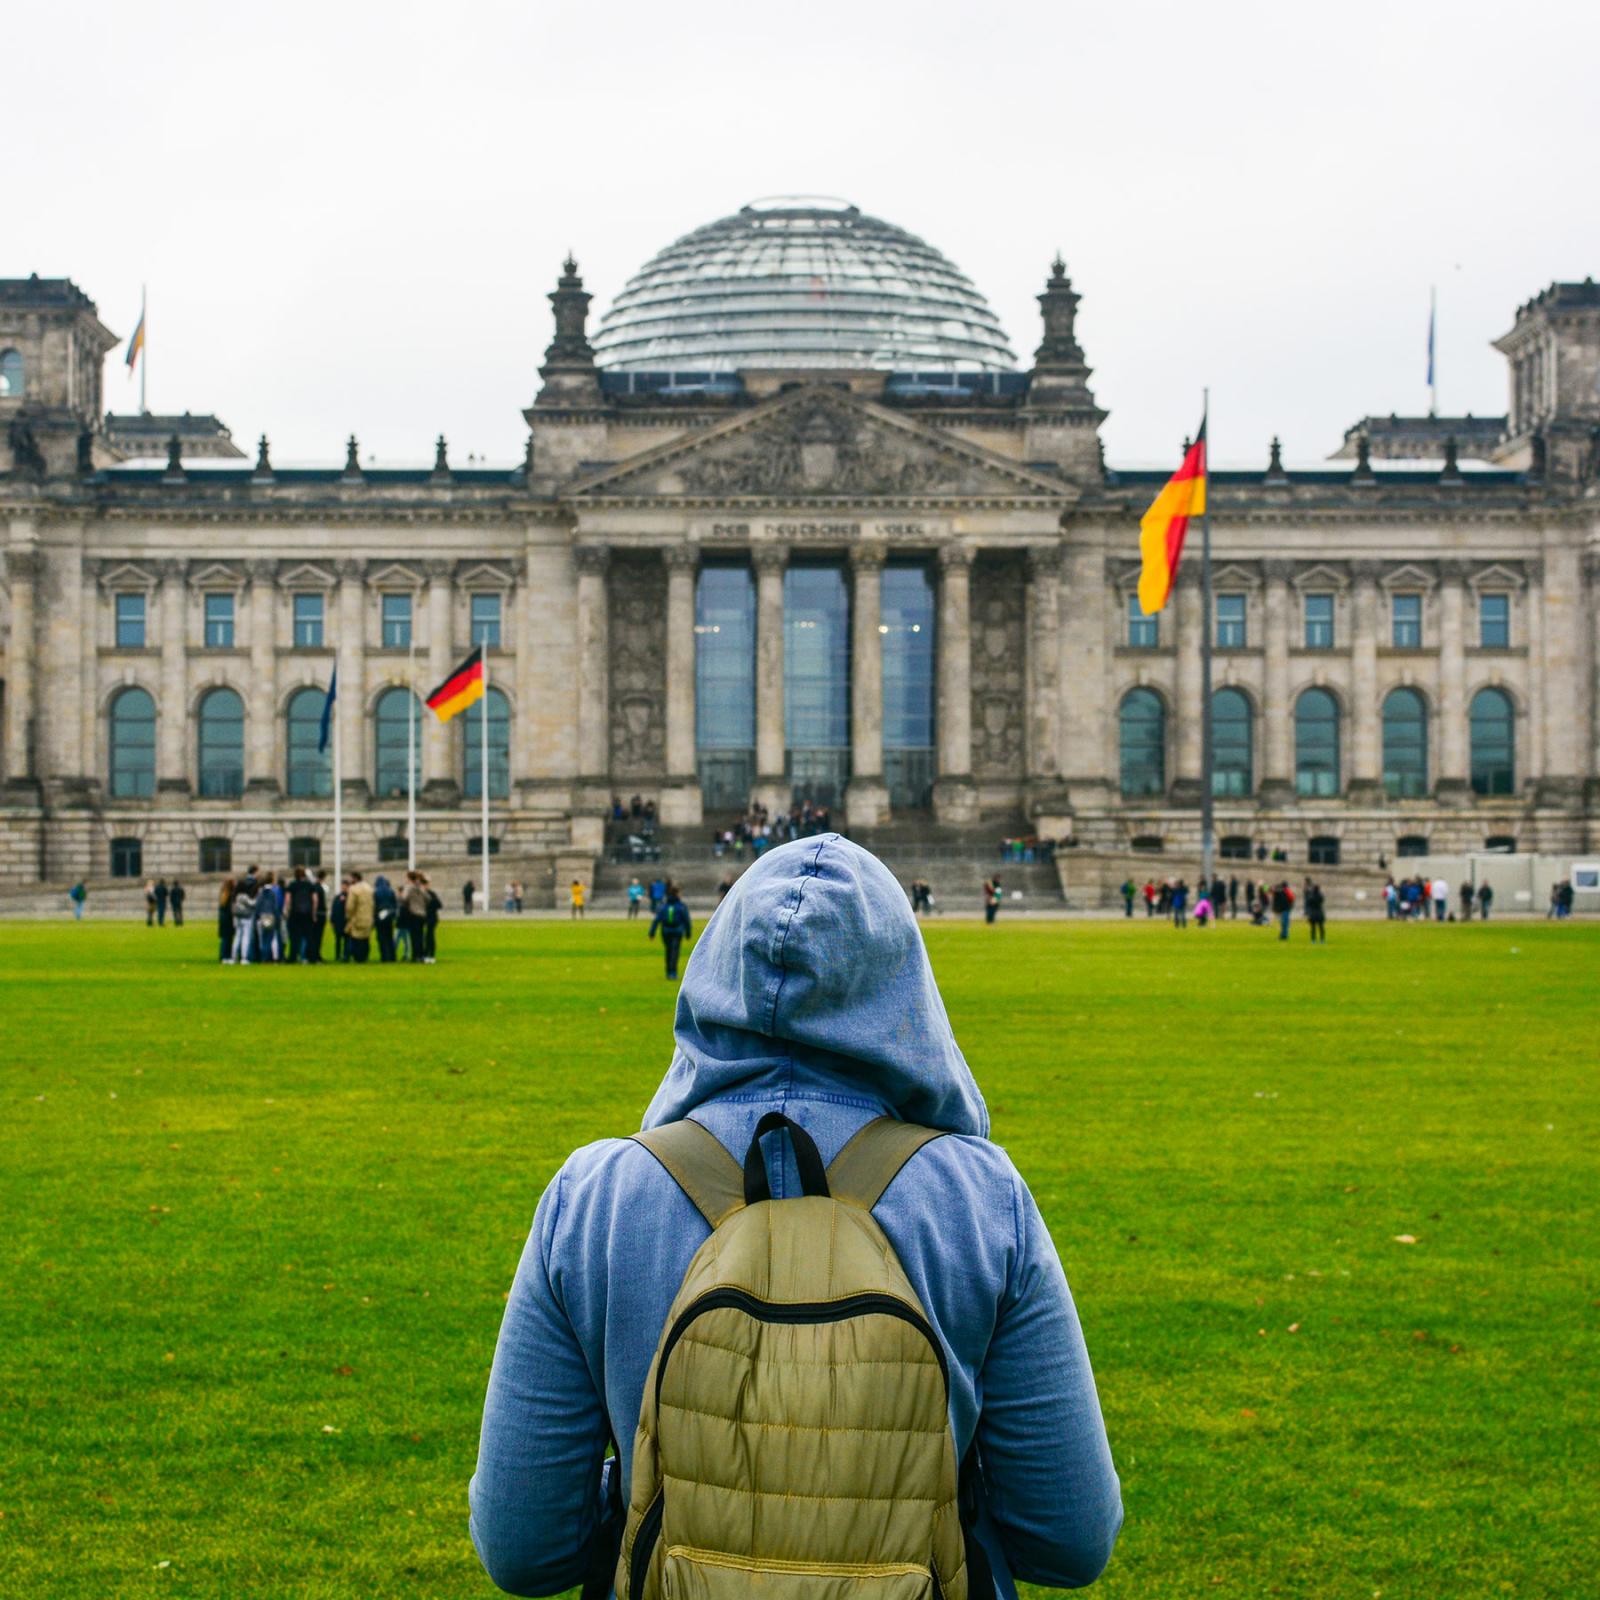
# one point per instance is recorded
(1164, 525)
(460, 689)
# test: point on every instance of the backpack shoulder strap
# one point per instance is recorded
(872, 1159)
(697, 1162)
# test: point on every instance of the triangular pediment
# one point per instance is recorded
(484, 575)
(1497, 576)
(1408, 576)
(821, 442)
(127, 575)
(394, 575)
(1233, 576)
(307, 575)
(1320, 576)
(215, 575)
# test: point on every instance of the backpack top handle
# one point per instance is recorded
(813, 1175)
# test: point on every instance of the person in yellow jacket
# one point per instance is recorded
(579, 893)
(359, 918)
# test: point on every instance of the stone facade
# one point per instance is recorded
(591, 551)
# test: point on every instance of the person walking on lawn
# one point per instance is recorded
(161, 902)
(1316, 912)
(1282, 907)
(176, 895)
(673, 921)
(817, 1108)
(359, 919)
(414, 915)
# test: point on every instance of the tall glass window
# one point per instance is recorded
(816, 681)
(486, 620)
(1142, 729)
(1494, 621)
(221, 745)
(1405, 745)
(499, 747)
(310, 775)
(389, 767)
(130, 622)
(1319, 621)
(1493, 730)
(1144, 633)
(11, 374)
(1232, 744)
(1407, 621)
(396, 622)
(133, 745)
(1231, 629)
(906, 624)
(219, 622)
(308, 621)
(725, 685)
(1316, 744)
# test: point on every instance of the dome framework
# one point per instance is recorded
(801, 281)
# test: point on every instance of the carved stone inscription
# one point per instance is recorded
(637, 590)
(998, 656)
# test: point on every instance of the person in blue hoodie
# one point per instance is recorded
(809, 993)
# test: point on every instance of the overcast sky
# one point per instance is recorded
(349, 214)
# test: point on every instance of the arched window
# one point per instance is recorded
(310, 775)
(1405, 745)
(133, 745)
(389, 769)
(499, 747)
(1232, 752)
(10, 374)
(221, 745)
(1143, 732)
(1316, 744)
(1493, 727)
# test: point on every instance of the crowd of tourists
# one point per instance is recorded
(1419, 898)
(1263, 903)
(759, 830)
(284, 917)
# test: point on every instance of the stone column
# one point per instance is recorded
(1530, 761)
(263, 771)
(1277, 714)
(1451, 785)
(441, 782)
(355, 753)
(1087, 642)
(1185, 787)
(172, 722)
(1046, 794)
(867, 796)
(23, 566)
(1591, 649)
(594, 697)
(772, 785)
(955, 796)
(680, 797)
(89, 673)
(1366, 776)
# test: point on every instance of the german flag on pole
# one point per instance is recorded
(1163, 526)
(460, 689)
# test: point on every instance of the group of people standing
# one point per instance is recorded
(158, 896)
(758, 829)
(284, 917)
(1174, 899)
(1416, 898)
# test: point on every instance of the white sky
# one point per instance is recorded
(349, 213)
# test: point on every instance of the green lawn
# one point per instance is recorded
(259, 1226)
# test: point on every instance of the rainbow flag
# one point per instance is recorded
(460, 689)
(136, 343)
(1163, 526)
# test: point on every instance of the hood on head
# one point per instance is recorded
(813, 968)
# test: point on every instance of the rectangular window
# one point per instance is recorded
(130, 622)
(219, 622)
(127, 858)
(216, 855)
(308, 622)
(1230, 622)
(1319, 622)
(486, 620)
(1144, 633)
(1494, 621)
(1407, 621)
(397, 622)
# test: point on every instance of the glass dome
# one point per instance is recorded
(800, 281)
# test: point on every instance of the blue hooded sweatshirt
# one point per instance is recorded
(809, 993)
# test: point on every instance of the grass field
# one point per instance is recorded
(259, 1224)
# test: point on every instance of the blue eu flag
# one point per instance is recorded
(327, 711)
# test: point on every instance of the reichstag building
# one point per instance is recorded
(793, 522)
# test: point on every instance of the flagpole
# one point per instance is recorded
(144, 351)
(414, 711)
(1207, 819)
(483, 723)
(1433, 350)
(338, 789)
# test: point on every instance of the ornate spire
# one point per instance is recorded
(1275, 470)
(1452, 465)
(174, 458)
(1363, 472)
(1060, 376)
(569, 373)
(352, 458)
(263, 459)
(441, 459)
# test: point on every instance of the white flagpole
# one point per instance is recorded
(144, 349)
(412, 713)
(483, 722)
(338, 792)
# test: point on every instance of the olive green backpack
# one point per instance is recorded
(794, 1439)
